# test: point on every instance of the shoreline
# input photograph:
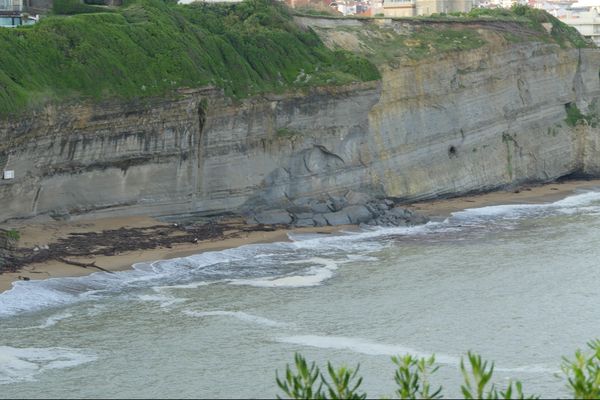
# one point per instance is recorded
(125, 260)
(524, 194)
(41, 233)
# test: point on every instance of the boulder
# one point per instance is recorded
(358, 214)
(319, 220)
(389, 203)
(418, 219)
(304, 222)
(298, 209)
(401, 212)
(377, 207)
(357, 198)
(274, 217)
(337, 218)
(321, 206)
(304, 215)
(337, 203)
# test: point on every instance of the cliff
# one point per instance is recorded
(481, 116)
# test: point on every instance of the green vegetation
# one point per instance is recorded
(383, 45)
(583, 373)
(69, 7)
(507, 139)
(563, 34)
(531, 18)
(283, 132)
(575, 116)
(149, 48)
(311, 10)
(424, 37)
(12, 235)
(308, 382)
(412, 379)
(412, 376)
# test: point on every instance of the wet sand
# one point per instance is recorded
(44, 232)
(528, 194)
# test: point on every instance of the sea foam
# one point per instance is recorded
(23, 364)
(362, 346)
(242, 316)
(313, 276)
(265, 265)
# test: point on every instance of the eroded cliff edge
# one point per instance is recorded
(466, 121)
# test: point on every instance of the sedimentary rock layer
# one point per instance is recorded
(462, 122)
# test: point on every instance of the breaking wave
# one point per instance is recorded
(242, 316)
(307, 260)
(23, 364)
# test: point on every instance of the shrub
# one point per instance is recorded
(412, 376)
(583, 373)
(70, 7)
(574, 115)
(412, 379)
(307, 382)
(13, 235)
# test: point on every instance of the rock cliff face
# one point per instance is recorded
(462, 122)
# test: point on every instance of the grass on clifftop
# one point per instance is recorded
(532, 18)
(418, 38)
(149, 48)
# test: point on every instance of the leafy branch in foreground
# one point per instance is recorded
(412, 379)
(303, 383)
(411, 376)
(479, 376)
(583, 373)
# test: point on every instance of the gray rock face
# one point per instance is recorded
(301, 223)
(273, 217)
(337, 218)
(321, 207)
(464, 122)
(319, 220)
(337, 203)
(358, 214)
(373, 212)
(354, 198)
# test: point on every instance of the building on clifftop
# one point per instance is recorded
(411, 8)
(8, 7)
(12, 14)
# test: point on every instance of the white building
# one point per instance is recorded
(411, 8)
(7, 6)
(586, 21)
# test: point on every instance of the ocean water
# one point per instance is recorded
(516, 283)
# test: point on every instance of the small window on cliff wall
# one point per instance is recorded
(452, 152)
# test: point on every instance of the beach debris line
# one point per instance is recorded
(115, 241)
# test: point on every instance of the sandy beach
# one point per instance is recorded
(41, 233)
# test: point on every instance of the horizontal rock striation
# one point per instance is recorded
(462, 122)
